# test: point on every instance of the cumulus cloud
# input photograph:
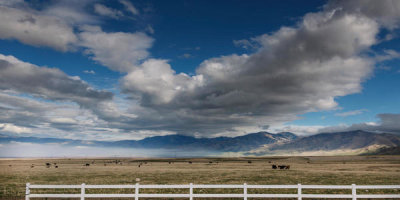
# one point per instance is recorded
(386, 12)
(53, 84)
(73, 12)
(118, 51)
(35, 29)
(47, 83)
(293, 70)
(296, 70)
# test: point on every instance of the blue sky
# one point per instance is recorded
(111, 70)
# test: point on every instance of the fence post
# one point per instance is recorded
(191, 191)
(137, 191)
(353, 191)
(83, 191)
(28, 191)
(299, 191)
(245, 191)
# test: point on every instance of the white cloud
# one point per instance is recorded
(296, 70)
(129, 7)
(186, 55)
(36, 30)
(351, 113)
(156, 83)
(14, 129)
(386, 12)
(89, 72)
(118, 51)
(48, 83)
(106, 11)
(299, 130)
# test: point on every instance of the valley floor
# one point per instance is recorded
(335, 170)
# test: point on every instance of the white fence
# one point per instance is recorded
(192, 195)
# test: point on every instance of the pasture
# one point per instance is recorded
(361, 170)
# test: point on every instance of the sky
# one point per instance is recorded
(116, 70)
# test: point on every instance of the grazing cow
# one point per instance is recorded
(56, 166)
(210, 162)
(284, 166)
(190, 162)
(249, 162)
(169, 162)
(274, 167)
(139, 165)
(48, 165)
(87, 164)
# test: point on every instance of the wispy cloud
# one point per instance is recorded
(89, 72)
(351, 113)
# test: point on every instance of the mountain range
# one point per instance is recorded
(261, 143)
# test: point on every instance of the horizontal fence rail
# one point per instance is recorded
(190, 195)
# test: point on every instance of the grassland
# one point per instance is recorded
(374, 170)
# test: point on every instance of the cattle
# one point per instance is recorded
(48, 165)
(210, 162)
(87, 164)
(169, 162)
(190, 162)
(56, 166)
(274, 167)
(284, 166)
(249, 162)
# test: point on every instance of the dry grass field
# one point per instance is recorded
(373, 170)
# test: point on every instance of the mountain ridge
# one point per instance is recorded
(272, 143)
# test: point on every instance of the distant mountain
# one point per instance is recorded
(261, 143)
(224, 144)
(340, 140)
(385, 151)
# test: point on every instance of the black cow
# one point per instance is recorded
(274, 167)
(284, 166)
